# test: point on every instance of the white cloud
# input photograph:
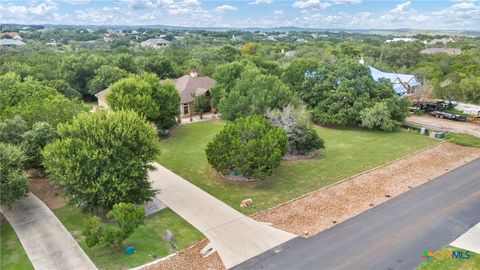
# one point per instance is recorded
(278, 12)
(137, 4)
(347, 2)
(402, 7)
(261, 2)
(310, 4)
(76, 2)
(223, 8)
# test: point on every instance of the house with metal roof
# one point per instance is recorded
(403, 84)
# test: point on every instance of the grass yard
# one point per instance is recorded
(473, 263)
(348, 152)
(148, 239)
(12, 254)
(464, 139)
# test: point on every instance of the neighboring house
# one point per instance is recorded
(187, 86)
(449, 51)
(444, 41)
(12, 35)
(11, 42)
(401, 39)
(155, 43)
(403, 84)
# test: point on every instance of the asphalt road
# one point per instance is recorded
(391, 236)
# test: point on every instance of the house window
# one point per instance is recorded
(185, 108)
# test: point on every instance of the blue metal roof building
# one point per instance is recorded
(403, 84)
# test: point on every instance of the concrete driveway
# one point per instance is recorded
(233, 235)
(48, 244)
(392, 235)
(469, 240)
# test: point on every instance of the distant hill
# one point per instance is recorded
(399, 31)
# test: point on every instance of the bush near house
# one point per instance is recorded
(249, 147)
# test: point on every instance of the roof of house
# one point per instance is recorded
(102, 94)
(442, 50)
(396, 78)
(14, 35)
(188, 85)
(5, 41)
(155, 42)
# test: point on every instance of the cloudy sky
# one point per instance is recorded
(420, 14)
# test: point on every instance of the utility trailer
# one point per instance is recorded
(450, 116)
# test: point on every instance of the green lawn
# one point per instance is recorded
(348, 152)
(147, 238)
(12, 254)
(473, 263)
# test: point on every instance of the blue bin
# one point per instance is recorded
(130, 250)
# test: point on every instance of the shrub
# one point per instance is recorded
(302, 138)
(126, 218)
(13, 181)
(103, 158)
(251, 147)
(378, 116)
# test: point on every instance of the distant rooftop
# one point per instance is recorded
(449, 51)
(14, 42)
(155, 42)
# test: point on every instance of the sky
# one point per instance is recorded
(323, 14)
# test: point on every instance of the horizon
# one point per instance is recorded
(452, 15)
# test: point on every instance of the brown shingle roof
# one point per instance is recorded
(188, 85)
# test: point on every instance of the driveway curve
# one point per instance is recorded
(48, 244)
(233, 235)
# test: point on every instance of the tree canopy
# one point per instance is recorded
(102, 159)
(145, 94)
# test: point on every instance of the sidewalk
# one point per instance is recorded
(48, 244)
(233, 235)
(196, 118)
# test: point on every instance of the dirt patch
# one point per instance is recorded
(446, 125)
(191, 259)
(327, 207)
(48, 193)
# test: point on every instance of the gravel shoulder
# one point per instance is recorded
(322, 209)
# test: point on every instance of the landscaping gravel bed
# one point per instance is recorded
(322, 209)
